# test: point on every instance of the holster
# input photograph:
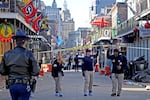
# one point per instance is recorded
(33, 84)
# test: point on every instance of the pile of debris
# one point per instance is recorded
(142, 76)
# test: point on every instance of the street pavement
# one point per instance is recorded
(73, 89)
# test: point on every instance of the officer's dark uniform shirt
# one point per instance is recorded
(118, 61)
(87, 63)
(19, 63)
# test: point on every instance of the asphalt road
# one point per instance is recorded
(73, 89)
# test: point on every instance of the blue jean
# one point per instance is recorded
(20, 92)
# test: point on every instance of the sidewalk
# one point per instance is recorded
(73, 89)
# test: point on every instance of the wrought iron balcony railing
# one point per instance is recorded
(127, 26)
(14, 7)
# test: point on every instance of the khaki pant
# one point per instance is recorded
(117, 80)
(58, 83)
(88, 81)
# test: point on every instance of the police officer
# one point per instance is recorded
(119, 64)
(88, 74)
(19, 65)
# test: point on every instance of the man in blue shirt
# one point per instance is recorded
(87, 69)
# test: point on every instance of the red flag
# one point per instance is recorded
(29, 10)
(27, 19)
(36, 23)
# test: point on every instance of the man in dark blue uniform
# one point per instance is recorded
(119, 64)
(19, 65)
(88, 69)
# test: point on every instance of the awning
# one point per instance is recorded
(124, 34)
(103, 40)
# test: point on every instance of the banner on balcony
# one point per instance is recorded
(4, 4)
(36, 23)
(29, 10)
(6, 32)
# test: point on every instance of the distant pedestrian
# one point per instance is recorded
(76, 60)
(58, 74)
(69, 63)
(88, 69)
(119, 63)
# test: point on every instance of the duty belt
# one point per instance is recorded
(18, 81)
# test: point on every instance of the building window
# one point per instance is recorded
(143, 5)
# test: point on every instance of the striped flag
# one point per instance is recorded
(29, 10)
(36, 23)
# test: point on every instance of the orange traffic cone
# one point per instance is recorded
(97, 68)
(49, 67)
(102, 72)
(41, 72)
(107, 70)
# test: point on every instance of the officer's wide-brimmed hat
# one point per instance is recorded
(21, 34)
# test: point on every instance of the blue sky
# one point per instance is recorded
(79, 10)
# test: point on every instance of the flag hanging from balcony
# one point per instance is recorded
(36, 23)
(59, 40)
(26, 1)
(29, 10)
(44, 23)
(27, 19)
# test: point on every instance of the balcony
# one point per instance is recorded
(13, 11)
(127, 26)
(13, 6)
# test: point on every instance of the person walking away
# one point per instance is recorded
(57, 74)
(19, 65)
(88, 73)
(76, 63)
(119, 64)
(69, 63)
